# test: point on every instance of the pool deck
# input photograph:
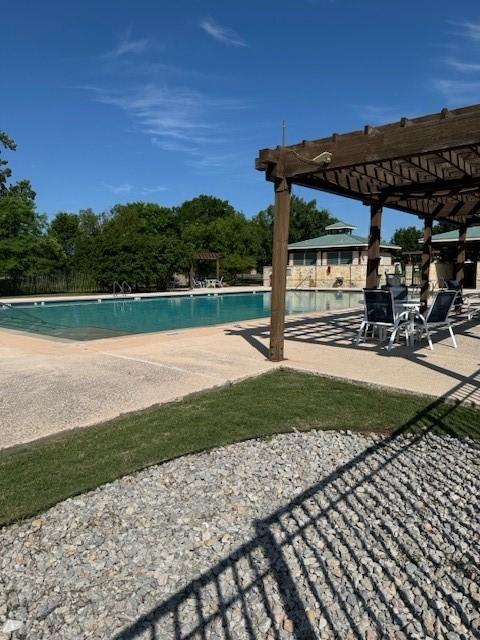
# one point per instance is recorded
(49, 385)
(131, 296)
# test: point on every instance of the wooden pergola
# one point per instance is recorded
(427, 166)
(206, 256)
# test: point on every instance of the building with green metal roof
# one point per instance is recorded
(338, 245)
(335, 259)
(445, 245)
(473, 235)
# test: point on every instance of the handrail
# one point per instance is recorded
(302, 281)
(123, 288)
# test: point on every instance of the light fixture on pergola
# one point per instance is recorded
(427, 166)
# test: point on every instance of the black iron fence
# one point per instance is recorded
(15, 284)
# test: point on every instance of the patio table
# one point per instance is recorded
(411, 307)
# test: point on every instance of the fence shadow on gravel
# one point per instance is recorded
(364, 553)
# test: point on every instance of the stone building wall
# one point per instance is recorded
(326, 276)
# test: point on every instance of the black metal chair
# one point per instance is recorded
(437, 316)
(380, 313)
(454, 285)
(393, 279)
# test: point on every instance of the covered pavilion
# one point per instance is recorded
(205, 256)
(427, 166)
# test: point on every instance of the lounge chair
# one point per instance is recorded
(380, 313)
(473, 305)
(437, 316)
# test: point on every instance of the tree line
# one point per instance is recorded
(144, 243)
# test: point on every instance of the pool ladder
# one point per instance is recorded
(121, 289)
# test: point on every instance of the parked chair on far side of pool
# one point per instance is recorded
(437, 316)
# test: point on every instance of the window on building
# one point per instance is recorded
(304, 258)
(339, 257)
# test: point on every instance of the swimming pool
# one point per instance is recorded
(90, 320)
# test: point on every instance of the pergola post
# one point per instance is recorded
(279, 268)
(218, 268)
(374, 246)
(460, 258)
(426, 261)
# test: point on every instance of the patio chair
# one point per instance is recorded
(219, 283)
(393, 279)
(380, 313)
(437, 316)
(198, 284)
(473, 306)
(454, 285)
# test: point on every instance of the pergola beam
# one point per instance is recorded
(460, 257)
(374, 237)
(426, 261)
(429, 134)
(457, 161)
(279, 268)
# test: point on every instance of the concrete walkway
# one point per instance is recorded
(48, 386)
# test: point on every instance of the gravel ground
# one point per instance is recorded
(322, 535)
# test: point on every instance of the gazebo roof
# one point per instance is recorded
(207, 255)
(339, 225)
(428, 166)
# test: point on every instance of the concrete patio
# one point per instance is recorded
(49, 386)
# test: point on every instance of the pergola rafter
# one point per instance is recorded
(427, 166)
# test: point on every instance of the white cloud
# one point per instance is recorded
(176, 118)
(222, 34)
(377, 114)
(467, 29)
(156, 189)
(464, 67)
(127, 46)
(458, 91)
(214, 161)
(119, 188)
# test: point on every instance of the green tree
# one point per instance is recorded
(5, 172)
(202, 209)
(408, 238)
(306, 221)
(64, 230)
(24, 248)
(139, 243)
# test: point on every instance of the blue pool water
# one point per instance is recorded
(92, 320)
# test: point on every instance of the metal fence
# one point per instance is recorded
(14, 284)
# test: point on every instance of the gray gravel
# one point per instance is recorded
(326, 535)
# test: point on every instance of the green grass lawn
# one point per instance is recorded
(36, 476)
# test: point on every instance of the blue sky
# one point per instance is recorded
(114, 100)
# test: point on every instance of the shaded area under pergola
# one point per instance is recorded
(427, 166)
(205, 256)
